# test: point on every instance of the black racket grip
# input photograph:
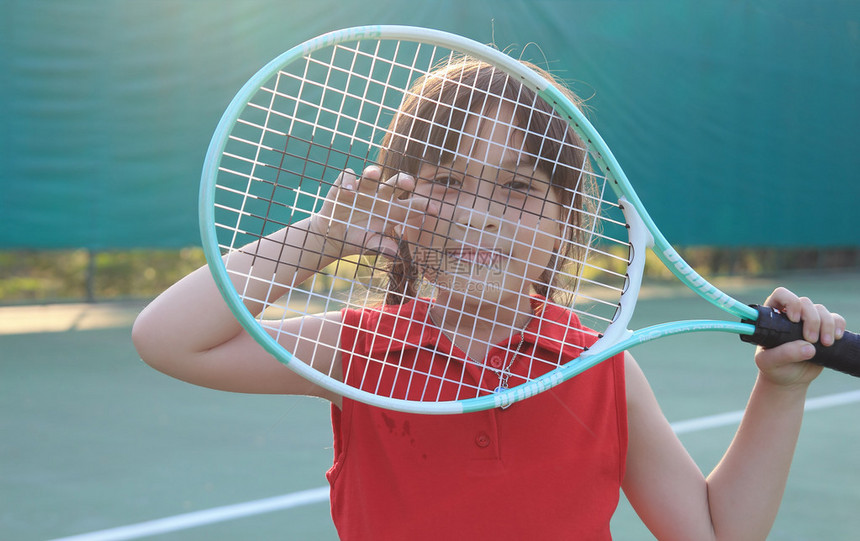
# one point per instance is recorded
(773, 328)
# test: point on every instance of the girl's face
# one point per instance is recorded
(499, 220)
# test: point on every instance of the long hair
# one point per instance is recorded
(426, 130)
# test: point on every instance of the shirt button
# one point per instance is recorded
(496, 361)
(482, 439)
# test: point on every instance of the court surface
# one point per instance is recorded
(96, 445)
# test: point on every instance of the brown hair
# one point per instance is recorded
(425, 130)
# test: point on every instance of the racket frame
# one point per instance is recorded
(643, 233)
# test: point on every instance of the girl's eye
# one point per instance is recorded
(519, 185)
(447, 180)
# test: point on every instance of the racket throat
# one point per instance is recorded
(639, 240)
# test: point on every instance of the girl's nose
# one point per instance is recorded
(481, 219)
(479, 211)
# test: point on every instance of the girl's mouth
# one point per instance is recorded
(486, 258)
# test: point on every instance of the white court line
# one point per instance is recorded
(207, 516)
(319, 495)
(734, 417)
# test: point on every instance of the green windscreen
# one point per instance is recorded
(735, 121)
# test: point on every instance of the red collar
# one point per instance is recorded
(408, 326)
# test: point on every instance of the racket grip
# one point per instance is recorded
(773, 328)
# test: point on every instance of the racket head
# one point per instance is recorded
(325, 106)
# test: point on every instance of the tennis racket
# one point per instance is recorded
(341, 102)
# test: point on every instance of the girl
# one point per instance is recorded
(479, 200)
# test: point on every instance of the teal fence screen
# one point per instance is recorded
(736, 121)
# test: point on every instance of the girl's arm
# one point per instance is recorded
(741, 497)
(189, 332)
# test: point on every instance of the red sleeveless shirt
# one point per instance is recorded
(548, 467)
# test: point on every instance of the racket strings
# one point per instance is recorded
(306, 128)
(592, 217)
(454, 372)
(381, 105)
(365, 267)
(592, 252)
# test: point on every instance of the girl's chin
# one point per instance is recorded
(468, 292)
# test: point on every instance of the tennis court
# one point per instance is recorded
(738, 120)
(96, 445)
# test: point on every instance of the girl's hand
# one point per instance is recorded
(785, 365)
(364, 213)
